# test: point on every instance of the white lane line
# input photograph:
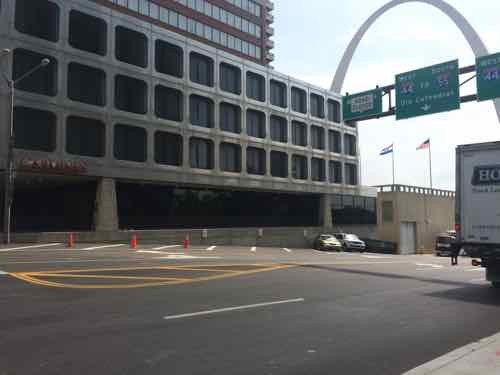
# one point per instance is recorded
(435, 266)
(375, 256)
(244, 307)
(211, 248)
(474, 269)
(287, 250)
(165, 247)
(150, 251)
(31, 247)
(183, 256)
(253, 249)
(103, 247)
(320, 252)
(3, 273)
(478, 280)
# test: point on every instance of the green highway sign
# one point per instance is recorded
(488, 77)
(428, 90)
(363, 104)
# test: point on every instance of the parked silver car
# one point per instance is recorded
(350, 242)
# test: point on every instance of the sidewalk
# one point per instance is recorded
(481, 357)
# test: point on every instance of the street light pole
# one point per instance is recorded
(9, 168)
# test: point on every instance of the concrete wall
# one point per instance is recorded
(299, 237)
(432, 210)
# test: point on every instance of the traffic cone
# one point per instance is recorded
(71, 240)
(133, 242)
(186, 242)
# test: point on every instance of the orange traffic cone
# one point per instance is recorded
(71, 240)
(133, 242)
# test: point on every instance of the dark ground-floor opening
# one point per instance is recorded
(51, 203)
(147, 206)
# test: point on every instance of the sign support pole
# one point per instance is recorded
(393, 173)
(430, 163)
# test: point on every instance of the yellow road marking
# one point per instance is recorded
(108, 277)
(206, 267)
(28, 277)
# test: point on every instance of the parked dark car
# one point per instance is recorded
(350, 242)
(326, 242)
(445, 243)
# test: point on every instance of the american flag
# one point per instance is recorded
(425, 144)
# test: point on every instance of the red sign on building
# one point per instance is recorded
(53, 166)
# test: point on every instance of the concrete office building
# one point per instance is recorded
(166, 114)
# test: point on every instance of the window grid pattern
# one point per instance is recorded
(190, 25)
(223, 16)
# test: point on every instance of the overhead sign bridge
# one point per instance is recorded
(425, 91)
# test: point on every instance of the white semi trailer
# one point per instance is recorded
(477, 212)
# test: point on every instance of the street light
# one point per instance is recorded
(9, 172)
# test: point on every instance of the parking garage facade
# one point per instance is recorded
(151, 116)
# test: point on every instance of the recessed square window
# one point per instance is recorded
(299, 133)
(85, 136)
(168, 148)
(256, 161)
(318, 169)
(201, 69)
(35, 129)
(130, 143)
(169, 59)
(87, 33)
(131, 94)
(201, 111)
(230, 78)
(317, 137)
(230, 117)
(333, 111)
(131, 47)
(230, 157)
(201, 153)
(278, 93)
(38, 18)
(299, 100)
(168, 103)
(86, 84)
(279, 128)
(279, 164)
(256, 87)
(299, 167)
(256, 123)
(317, 106)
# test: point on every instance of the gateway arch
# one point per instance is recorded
(472, 37)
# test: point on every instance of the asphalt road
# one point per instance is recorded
(233, 310)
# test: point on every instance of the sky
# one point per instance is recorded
(310, 39)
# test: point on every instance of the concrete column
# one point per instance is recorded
(106, 210)
(325, 211)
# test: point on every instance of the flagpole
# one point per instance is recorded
(430, 163)
(393, 174)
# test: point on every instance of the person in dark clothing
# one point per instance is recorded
(455, 250)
